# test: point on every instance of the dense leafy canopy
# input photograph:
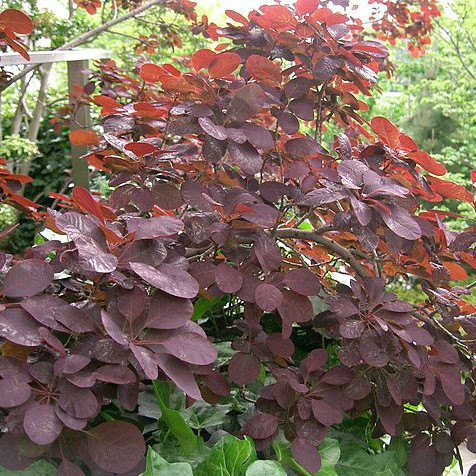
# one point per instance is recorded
(223, 189)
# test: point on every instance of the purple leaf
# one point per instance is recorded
(295, 308)
(258, 136)
(246, 156)
(302, 146)
(325, 195)
(168, 312)
(70, 421)
(302, 281)
(17, 452)
(180, 374)
(116, 447)
(147, 361)
(267, 253)
(155, 227)
(306, 455)
(27, 278)
(243, 369)
(78, 402)
(117, 374)
(362, 211)
(298, 87)
(260, 426)
(131, 302)
(228, 279)
(191, 348)
(302, 108)
(71, 364)
(268, 297)
(18, 327)
(310, 431)
(56, 314)
(14, 391)
(352, 328)
(372, 351)
(401, 222)
(357, 389)
(66, 468)
(112, 329)
(151, 252)
(279, 345)
(246, 102)
(212, 129)
(326, 68)
(325, 413)
(168, 278)
(288, 122)
(342, 306)
(91, 257)
(41, 424)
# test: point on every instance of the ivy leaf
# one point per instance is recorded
(175, 422)
(203, 415)
(230, 456)
(158, 466)
(265, 468)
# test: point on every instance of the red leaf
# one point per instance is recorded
(386, 131)
(202, 59)
(82, 137)
(16, 21)
(151, 73)
(457, 272)
(427, 162)
(85, 201)
(140, 148)
(449, 189)
(237, 17)
(473, 176)
(263, 69)
(224, 64)
(306, 6)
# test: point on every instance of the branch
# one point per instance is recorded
(316, 237)
(87, 36)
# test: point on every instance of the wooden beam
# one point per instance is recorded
(40, 57)
(77, 75)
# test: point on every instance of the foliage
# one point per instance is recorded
(220, 195)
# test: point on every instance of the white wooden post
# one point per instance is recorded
(78, 62)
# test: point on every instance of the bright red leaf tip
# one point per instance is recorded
(386, 131)
(16, 21)
(224, 64)
(151, 73)
(82, 137)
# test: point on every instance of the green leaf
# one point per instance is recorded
(203, 415)
(202, 306)
(357, 462)
(174, 420)
(158, 466)
(172, 452)
(229, 457)
(265, 468)
(39, 468)
(329, 451)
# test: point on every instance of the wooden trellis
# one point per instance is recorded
(78, 63)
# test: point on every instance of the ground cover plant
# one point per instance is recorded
(227, 305)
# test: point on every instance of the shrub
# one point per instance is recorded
(220, 197)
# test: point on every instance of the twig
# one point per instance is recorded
(316, 237)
